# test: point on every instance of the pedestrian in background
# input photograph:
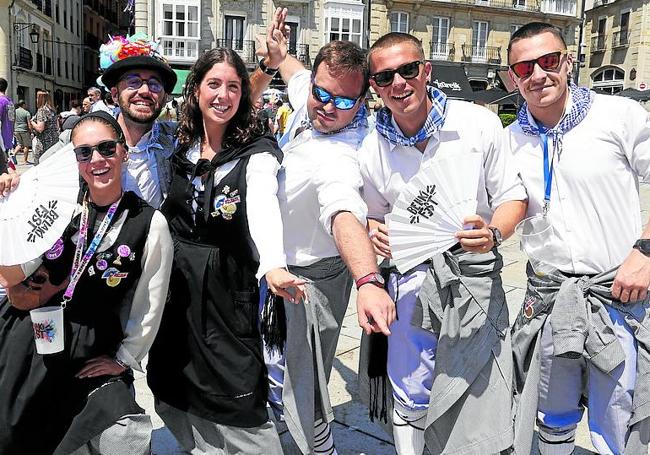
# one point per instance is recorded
(22, 130)
(86, 104)
(44, 124)
(7, 116)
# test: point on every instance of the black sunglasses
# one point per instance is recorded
(547, 62)
(105, 148)
(407, 71)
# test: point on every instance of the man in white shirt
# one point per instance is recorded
(448, 358)
(98, 104)
(140, 83)
(324, 230)
(580, 156)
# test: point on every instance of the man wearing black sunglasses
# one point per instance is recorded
(446, 392)
(324, 232)
(585, 325)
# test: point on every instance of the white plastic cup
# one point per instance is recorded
(536, 239)
(48, 329)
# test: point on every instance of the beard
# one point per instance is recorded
(133, 115)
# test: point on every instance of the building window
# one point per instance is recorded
(293, 36)
(625, 20)
(399, 22)
(439, 38)
(235, 32)
(563, 7)
(609, 80)
(479, 41)
(56, 12)
(344, 23)
(180, 29)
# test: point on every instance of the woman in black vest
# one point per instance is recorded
(80, 400)
(206, 368)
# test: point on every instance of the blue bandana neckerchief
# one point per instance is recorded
(433, 123)
(581, 100)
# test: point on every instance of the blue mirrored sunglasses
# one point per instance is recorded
(340, 102)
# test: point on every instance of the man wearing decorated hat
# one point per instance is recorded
(140, 79)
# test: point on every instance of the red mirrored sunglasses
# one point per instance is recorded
(547, 62)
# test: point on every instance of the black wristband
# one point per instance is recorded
(266, 70)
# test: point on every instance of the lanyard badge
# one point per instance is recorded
(548, 173)
(82, 260)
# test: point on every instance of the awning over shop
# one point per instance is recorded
(452, 80)
(506, 80)
(498, 96)
(638, 95)
(180, 82)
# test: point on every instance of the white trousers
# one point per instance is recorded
(411, 350)
(564, 381)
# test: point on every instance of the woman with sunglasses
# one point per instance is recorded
(206, 368)
(112, 267)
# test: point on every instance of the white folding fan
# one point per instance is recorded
(431, 208)
(35, 215)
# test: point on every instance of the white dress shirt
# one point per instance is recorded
(319, 178)
(262, 209)
(594, 208)
(386, 167)
(140, 174)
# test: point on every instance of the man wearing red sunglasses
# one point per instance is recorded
(584, 326)
(446, 392)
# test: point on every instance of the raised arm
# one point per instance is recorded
(272, 50)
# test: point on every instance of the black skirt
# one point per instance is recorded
(207, 358)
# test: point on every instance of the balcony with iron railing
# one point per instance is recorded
(621, 38)
(561, 7)
(301, 52)
(481, 54)
(598, 43)
(442, 51)
(245, 48)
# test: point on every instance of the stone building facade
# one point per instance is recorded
(617, 53)
(472, 34)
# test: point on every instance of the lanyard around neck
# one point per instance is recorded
(80, 261)
(548, 172)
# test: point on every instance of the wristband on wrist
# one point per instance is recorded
(371, 278)
(120, 363)
(266, 70)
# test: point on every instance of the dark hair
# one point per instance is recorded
(242, 127)
(395, 38)
(533, 29)
(343, 57)
(108, 99)
(101, 117)
(20, 102)
(3, 84)
(74, 103)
